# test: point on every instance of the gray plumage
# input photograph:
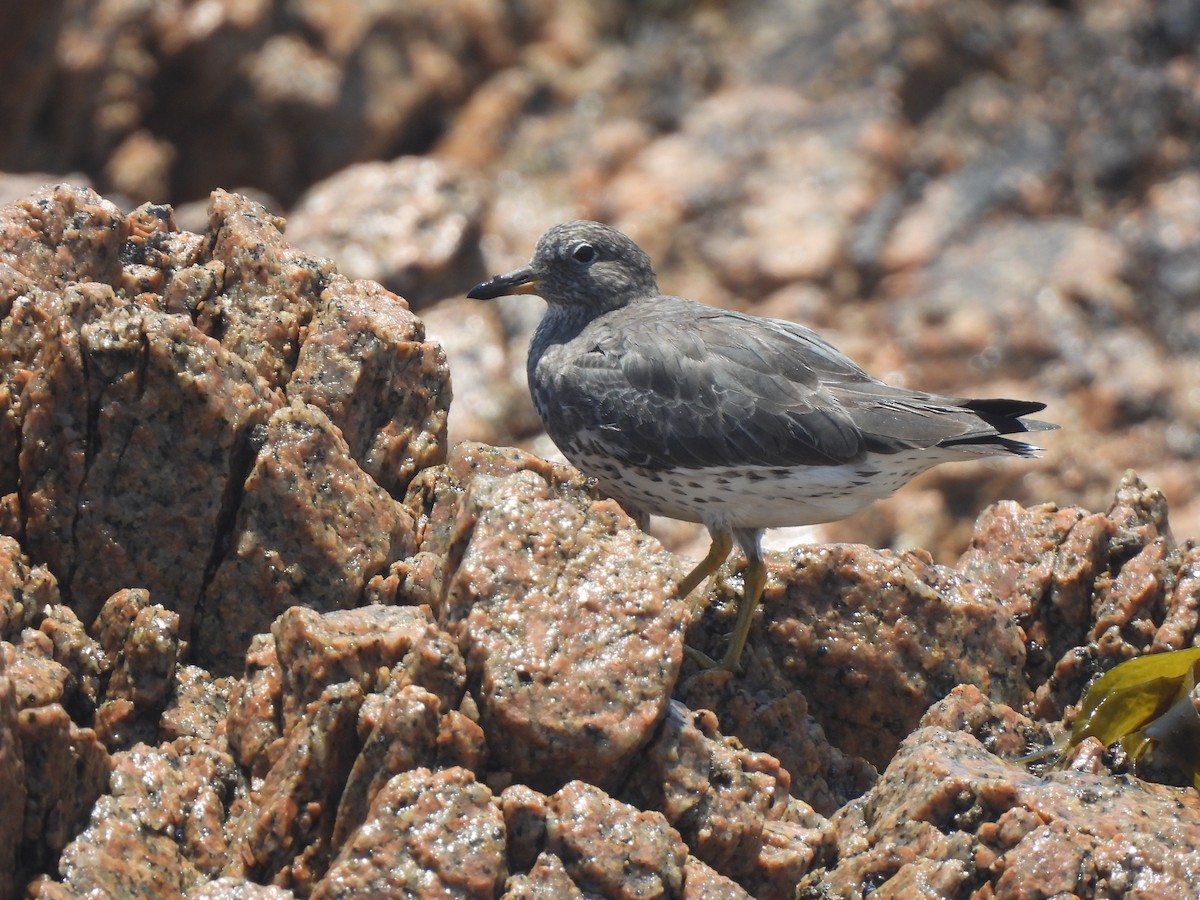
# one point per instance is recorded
(686, 410)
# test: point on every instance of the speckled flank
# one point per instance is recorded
(758, 496)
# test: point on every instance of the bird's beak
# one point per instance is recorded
(518, 281)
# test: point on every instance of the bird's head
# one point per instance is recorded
(579, 264)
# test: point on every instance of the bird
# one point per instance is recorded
(737, 422)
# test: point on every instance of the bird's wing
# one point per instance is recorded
(718, 388)
(708, 388)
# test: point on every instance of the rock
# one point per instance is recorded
(411, 224)
(232, 888)
(12, 782)
(331, 710)
(547, 879)
(198, 705)
(283, 835)
(66, 772)
(311, 528)
(565, 612)
(366, 364)
(723, 800)
(269, 291)
(873, 638)
(1089, 590)
(588, 831)
(162, 827)
(947, 813)
(489, 406)
(775, 719)
(702, 883)
(357, 83)
(427, 834)
(33, 230)
(159, 417)
(25, 590)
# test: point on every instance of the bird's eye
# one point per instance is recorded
(584, 253)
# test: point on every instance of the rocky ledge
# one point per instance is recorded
(265, 634)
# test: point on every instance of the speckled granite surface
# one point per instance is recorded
(247, 651)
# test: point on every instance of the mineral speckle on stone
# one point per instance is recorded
(965, 197)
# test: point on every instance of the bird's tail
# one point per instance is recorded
(1002, 417)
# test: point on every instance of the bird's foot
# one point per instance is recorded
(728, 663)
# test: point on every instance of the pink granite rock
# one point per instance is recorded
(158, 418)
(12, 782)
(162, 826)
(565, 612)
(410, 224)
(269, 291)
(723, 799)
(427, 834)
(311, 529)
(873, 638)
(365, 363)
(613, 849)
(949, 814)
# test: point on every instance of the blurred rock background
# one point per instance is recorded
(216, 423)
(983, 198)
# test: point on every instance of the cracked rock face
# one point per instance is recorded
(261, 635)
(171, 409)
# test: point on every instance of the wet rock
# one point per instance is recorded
(1090, 590)
(948, 813)
(723, 799)
(1042, 563)
(254, 724)
(12, 780)
(411, 224)
(141, 647)
(66, 771)
(427, 833)
(36, 230)
(283, 836)
(143, 642)
(565, 612)
(399, 732)
(229, 887)
(548, 878)
(311, 528)
(873, 638)
(161, 828)
(777, 721)
(329, 711)
(364, 646)
(366, 364)
(158, 416)
(198, 706)
(613, 849)
(702, 883)
(269, 291)
(526, 813)
(25, 590)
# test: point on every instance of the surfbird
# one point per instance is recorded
(734, 421)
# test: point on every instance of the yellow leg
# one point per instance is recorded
(754, 582)
(717, 554)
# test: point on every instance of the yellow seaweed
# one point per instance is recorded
(1142, 703)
